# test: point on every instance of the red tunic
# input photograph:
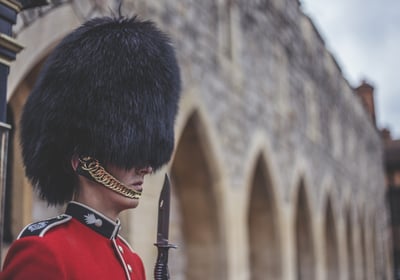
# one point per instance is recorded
(81, 244)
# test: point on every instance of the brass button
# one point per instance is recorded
(120, 249)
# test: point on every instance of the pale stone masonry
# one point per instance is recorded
(278, 170)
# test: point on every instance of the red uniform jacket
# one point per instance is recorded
(80, 244)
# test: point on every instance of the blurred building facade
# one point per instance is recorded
(391, 158)
(278, 170)
(392, 167)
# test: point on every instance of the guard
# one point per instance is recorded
(99, 119)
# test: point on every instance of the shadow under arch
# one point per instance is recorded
(350, 245)
(363, 244)
(374, 249)
(263, 225)
(331, 243)
(192, 172)
(305, 252)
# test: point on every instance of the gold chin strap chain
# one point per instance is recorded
(100, 175)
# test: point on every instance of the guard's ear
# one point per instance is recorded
(75, 162)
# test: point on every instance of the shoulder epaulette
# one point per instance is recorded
(40, 228)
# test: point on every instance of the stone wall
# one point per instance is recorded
(273, 150)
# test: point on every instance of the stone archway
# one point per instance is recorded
(25, 206)
(21, 194)
(202, 245)
(331, 244)
(305, 254)
(264, 241)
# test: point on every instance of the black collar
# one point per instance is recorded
(93, 219)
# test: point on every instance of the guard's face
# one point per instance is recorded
(133, 179)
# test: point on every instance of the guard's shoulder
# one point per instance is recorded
(40, 228)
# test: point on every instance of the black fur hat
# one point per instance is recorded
(110, 90)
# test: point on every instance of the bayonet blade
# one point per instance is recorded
(161, 267)
(163, 213)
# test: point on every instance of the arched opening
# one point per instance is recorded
(265, 251)
(203, 246)
(332, 257)
(350, 248)
(306, 261)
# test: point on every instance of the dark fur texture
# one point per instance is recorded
(109, 90)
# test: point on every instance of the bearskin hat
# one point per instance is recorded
(109, 90)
